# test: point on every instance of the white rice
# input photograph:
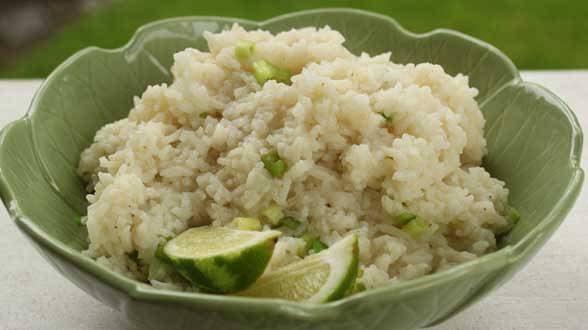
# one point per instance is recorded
(165, 168)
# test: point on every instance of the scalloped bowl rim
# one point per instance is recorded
(138, 290)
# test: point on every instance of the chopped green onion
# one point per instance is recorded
(387, 117)
(512, 214)
(270, 158)
(404, 218)
(264, 71)
(273, 214)
(79, 221)
(272, 162)
(277, 169)
(318, 246)
(203, 114)
(283, 76)
(313, 243)
(415, 227)
(309, 238)
(247, 223)
(289, 222)
(244, 50)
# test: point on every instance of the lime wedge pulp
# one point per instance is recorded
(221, 260)
(321, 277)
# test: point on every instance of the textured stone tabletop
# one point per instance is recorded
(550, 293)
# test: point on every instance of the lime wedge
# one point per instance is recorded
(321, 277)
(221, 260)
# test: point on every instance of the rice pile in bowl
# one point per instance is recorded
(364, 141)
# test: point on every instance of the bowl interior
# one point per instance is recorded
(534, 140)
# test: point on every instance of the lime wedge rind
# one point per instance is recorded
(340, 288)
(226, 268)
(335, 269)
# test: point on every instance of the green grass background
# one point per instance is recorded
(540, 34)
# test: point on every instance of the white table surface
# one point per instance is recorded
(550, 293)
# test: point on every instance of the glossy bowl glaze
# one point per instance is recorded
(534, 144)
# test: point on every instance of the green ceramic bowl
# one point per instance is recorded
(534, 144)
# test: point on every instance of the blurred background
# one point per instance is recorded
(37, 35)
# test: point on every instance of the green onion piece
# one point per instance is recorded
(273, 214)
(403, 218)
(318, 246)
(283, 76)
(78, 220)
(309, 239)
(313, 243)
(289, 222)
(247, 223)
(387, 117)
(415, 227)
(272, 162)
(244, 50)
(264, 71)
(512, 214)
(203, 114)
(270, 158)
(277, 169)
